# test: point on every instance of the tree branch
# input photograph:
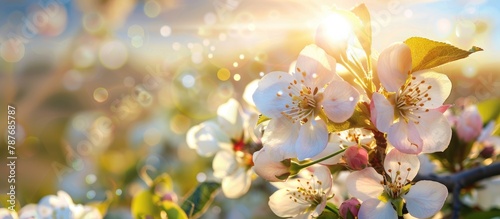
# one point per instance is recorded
(455, 182)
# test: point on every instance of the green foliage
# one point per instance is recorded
(200, 199)
(427, 54)
(482, 214)
(143, 205)
(173, 210)
(489, 110)
(359, 119)
(147, 204)
(328, 215)
(331, 212)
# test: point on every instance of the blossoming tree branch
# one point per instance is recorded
(354, 146)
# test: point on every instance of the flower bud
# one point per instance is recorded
(270, 169)
(469, 124)
(171, 196)
(487, 152)
(356, 158)
(351, 205)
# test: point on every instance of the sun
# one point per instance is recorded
(334, 28)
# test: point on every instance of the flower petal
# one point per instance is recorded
(382, 112)
(322, 173)
(280, 137)
(224, 164)
(400, 163)
(271, 94)
(316, 67)
(283, 206)
(339, 101)
(312, 139)
(394, 64)
(405, 137)
(207, 138)
(237, 184)
(434, 130)
(266, 167)
(440, 87)
(230, 118)
(248, 93)
(375, 209)
(365, 184)
(425, 198)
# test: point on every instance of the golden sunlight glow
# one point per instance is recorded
(336, 28)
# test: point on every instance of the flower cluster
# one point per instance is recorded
(371, 125)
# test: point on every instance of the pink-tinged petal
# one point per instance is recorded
(322, 173)
(316, 67)
(331, 147)
(312, 139)
(207, 138)
(224, 164)
(382, 112)
(401, 162)
(437, 85)
(339, 100)
(405, 137)
(434, 130)
(375, 209)
(230, 118)
(394, 64)
(271, 95)
(283, 206)
(237, 184)
(425, 198)
(280, 138)
(443, 108)
(365, 184)
(267, 168)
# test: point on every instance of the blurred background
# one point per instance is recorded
(103, 88)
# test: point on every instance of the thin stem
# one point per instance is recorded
(321, 159)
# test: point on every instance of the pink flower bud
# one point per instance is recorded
(356, 158)
(352, 205)
(266, 167)
(469, 124)
(487, 152)
(171, 196)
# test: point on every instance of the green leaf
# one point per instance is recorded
(328, 215)
(489, 110)
(364, 31)
(173, 210)
(262, 119)
(331, 212)
(200, 199)
(427, 54)
(359, 119)
(482, 214)
(143, 205)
